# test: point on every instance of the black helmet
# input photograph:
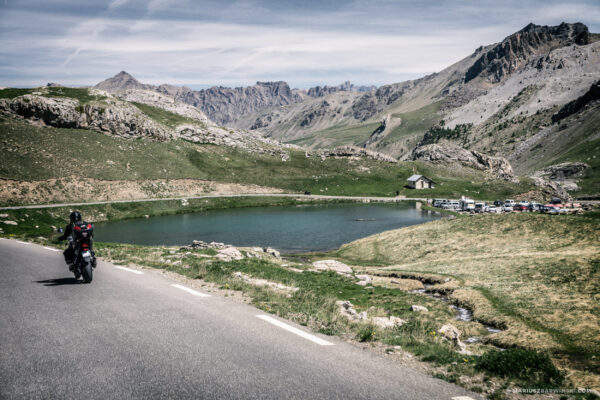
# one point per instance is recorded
(75, 216)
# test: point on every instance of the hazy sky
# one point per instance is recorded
(236, 43)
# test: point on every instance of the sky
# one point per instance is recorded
(237, 43)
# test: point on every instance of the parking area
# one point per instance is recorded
(470, 206)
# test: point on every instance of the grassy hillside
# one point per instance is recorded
(338, 135)
(33, 153)
(536, 276)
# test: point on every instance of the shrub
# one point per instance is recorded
(366, 333)
(527, 365)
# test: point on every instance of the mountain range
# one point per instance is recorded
(501, 100)
(225, 105)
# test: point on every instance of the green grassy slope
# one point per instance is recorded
(338, 135)
(37, 153)
(165, 117)
(543, 288)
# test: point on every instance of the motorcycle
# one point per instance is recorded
(85, 259)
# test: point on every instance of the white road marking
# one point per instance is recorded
(134, 271)
(191, 291)
(18, 241)
(295, 331)
(50, 248)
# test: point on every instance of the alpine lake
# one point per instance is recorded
(289, 229)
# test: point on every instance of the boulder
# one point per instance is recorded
(387, 322)
(353, 151)
(272, 252)
(418, 308)
(199, 244)
(229, 254)
(551, 189)
(452, 333)
(332, 265)
(10, 222)
(348, 311)
(265, 283)
(364, 280)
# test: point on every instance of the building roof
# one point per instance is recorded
(415, 178)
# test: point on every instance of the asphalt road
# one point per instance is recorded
(133, 335)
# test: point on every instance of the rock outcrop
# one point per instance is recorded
(452, 333)
(332, 265)
(578, 104)
(557, 180)
(550, 189)
(353, 151)
(450, 153)
(347, 310)
(565, 170)
(512, 53)
(164, 102)
(117, 118)
(320, 91)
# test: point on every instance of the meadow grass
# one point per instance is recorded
(536, 276)
(37, 153)
(166, 117)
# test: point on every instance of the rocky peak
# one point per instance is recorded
(513, 52)
(320, 91)
(224, 105)
(121, 81)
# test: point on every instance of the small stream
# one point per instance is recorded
(462, 314)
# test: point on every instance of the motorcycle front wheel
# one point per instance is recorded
(86, 271)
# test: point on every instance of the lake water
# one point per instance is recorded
(289, 229)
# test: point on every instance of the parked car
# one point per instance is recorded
(509, 202)
(498, 203)
(467, 204)
(535, 207)
(480, 207)
(507, 208)
(451, 205)
(524, 203)
(494, 209)
(520, 207)
(439, 202)
(551, 210)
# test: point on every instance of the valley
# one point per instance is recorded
(516, 119)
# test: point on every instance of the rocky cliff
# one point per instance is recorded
(449, 153)
(223, 105)
(118, 116)
(320, 91)
(513, 52)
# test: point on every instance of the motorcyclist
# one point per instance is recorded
(69, 253)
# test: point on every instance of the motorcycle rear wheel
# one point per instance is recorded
(86, 271)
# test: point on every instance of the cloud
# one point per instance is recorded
(239, 42)
(116, 4)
